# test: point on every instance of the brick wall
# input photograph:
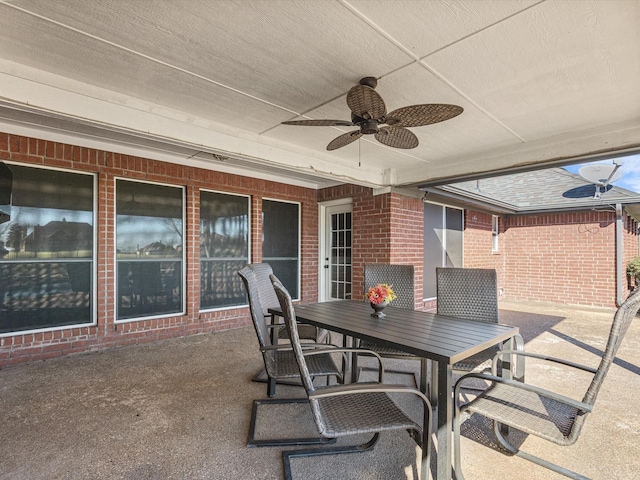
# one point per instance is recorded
(562, 257)
(478, 242)
(387, 228)
(568, 258)
(24, 347)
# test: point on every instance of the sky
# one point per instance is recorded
(630, 178)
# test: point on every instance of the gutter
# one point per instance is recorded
(620, 274)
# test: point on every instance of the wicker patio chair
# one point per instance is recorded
(269, 300)
(534, 410)
(401, 278)
(280, 363)
(354, 408)
(472, 294)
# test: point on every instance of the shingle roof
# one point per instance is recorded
(541, 190)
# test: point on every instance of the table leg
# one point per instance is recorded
(349, 362)
(445, 420)
(424, 371)
(507, 360)
(433, 398)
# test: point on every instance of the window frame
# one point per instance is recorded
(249, 237)
(93, 309)
(183, 257)
(295, 296)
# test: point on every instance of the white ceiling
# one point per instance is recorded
(539, 81)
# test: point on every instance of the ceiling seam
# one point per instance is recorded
(142, 55)
(420, 61)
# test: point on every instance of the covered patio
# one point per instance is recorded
(180, 409)
(150, 161)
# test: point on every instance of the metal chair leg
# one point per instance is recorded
(287, 455)
(280, 442)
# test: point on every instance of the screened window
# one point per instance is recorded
(443, 227)
(224, 249)
(46, 251)
(281, 242)
(149, 249)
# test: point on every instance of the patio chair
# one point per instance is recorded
(472, 294)
(353, 408)
(537, 411)
(280, 363)
(401, 278)
(269, 300)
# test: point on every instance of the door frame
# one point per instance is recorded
(322, 241)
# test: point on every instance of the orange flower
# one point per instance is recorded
(381, 292)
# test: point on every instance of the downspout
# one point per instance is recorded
(620, 274)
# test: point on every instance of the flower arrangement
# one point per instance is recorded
(381, 293)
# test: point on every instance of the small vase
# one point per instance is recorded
(378, 307)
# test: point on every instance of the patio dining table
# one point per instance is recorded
(441, 339)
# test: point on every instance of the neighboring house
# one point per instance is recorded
(158, 249)
(59, 236)
(548, 234)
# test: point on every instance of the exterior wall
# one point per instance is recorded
(566, 258)
(563, 257)
(25, 347)
(478, 242)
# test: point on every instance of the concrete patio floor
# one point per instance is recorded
(180, 409)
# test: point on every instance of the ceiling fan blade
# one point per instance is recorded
(397, 137)
(365, 102)
(320, 123)
(426, 114)
(343, 140)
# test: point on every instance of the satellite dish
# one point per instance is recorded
(601, 175)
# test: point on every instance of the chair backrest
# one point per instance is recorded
(470, 293)
(289, 314)
(257, 316)
(267, 294)
(621, 321)
(400, 277)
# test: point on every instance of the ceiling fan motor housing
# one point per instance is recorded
(369, 127)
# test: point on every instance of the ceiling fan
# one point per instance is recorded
(369, 113)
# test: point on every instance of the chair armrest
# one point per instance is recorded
(344, 351)
(284, 346)
(583, 407)
(561, 361)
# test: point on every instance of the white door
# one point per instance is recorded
(335, 264)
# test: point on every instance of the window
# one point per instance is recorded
(224, 249)
(149, 249)
(46, 251)
(443, 227)
(494, 233)
(281, 242)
